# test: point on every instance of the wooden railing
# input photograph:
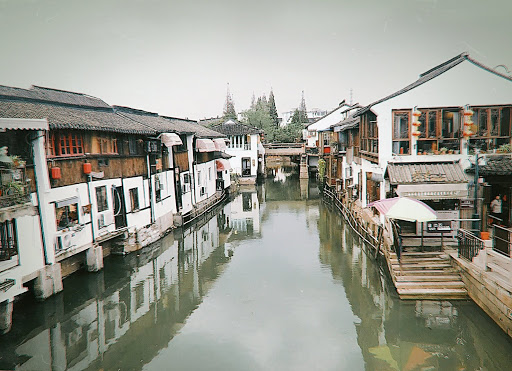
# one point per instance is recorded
(469, 245)
(359, 226)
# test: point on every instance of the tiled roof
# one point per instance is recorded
(41, 94)
(233, 127)
(65, 117)
(162, 124)
(494, 165)
(433, 73)
(350, 122)
(425, 172)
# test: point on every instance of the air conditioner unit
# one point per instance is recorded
(63, 242)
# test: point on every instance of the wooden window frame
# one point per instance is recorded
(101, 199)
(65, 143)
(134, 198)
(489, 141)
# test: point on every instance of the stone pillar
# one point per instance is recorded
(94, 258)
(48, 281)
(6, 316)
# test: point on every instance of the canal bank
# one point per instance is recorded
(471, 269)
(273, 280)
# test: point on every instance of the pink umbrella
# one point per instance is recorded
(405, 208)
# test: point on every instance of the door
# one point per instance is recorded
(246, 166)
(177, 188)
(119, 208)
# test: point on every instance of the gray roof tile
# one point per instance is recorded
(425, 172)
(64, 117)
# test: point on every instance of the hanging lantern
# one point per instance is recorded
(87, 166)
(415, 122)
(55, 172)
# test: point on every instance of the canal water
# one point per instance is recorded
(273, 280)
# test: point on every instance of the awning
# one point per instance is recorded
(222, 164)
(433, 191)
(170, 139)
(23, 124)
(205, 145)
(413, 173)
(66, 202)
(220, 144)
(17, 211)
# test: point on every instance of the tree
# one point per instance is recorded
(272, 110)
(229, 107)
(303, 111)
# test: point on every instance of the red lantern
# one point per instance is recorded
(87, 168)
(55, 173)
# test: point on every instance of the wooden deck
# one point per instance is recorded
(425, 275)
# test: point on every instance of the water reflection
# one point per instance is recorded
(407, 335)
(274, 280)
(101, 320)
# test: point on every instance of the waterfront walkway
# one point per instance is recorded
(417, 274)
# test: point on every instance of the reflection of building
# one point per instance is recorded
(395, 334)
(112, 312)
(245, 214)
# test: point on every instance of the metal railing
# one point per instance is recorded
(502, 240)
(469, 245)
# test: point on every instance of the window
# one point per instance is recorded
(370, 133)
(185, 183)
(8, 240)
(101, 198)
(401, 132)
(492, 127)
(66, 214)
(209, 173)
(107, 144)
(134, 198)
(182, 147)
(64, 143)
(440, 131)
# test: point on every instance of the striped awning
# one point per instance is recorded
(170, 139)
(205, 145)
(220, 144)
(222, 164)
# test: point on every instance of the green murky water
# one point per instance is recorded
(272, 281)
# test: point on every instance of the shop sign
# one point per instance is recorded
(467, 203)
(441, 226)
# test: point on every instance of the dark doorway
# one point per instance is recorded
(246, 166)
(119, 207)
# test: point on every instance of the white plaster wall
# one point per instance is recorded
(186, 198)
(461, 85)
(206, 180)
(239, 153)
(167, 205)
(141, 217)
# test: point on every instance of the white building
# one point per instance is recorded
(245, 147)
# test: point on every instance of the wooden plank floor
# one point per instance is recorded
(425, 275)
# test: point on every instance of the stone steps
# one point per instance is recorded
(433, 294)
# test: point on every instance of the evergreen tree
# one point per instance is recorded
(303, 112)
(272, 110)
(229, 107)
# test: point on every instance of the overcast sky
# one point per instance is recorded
(176, 57)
